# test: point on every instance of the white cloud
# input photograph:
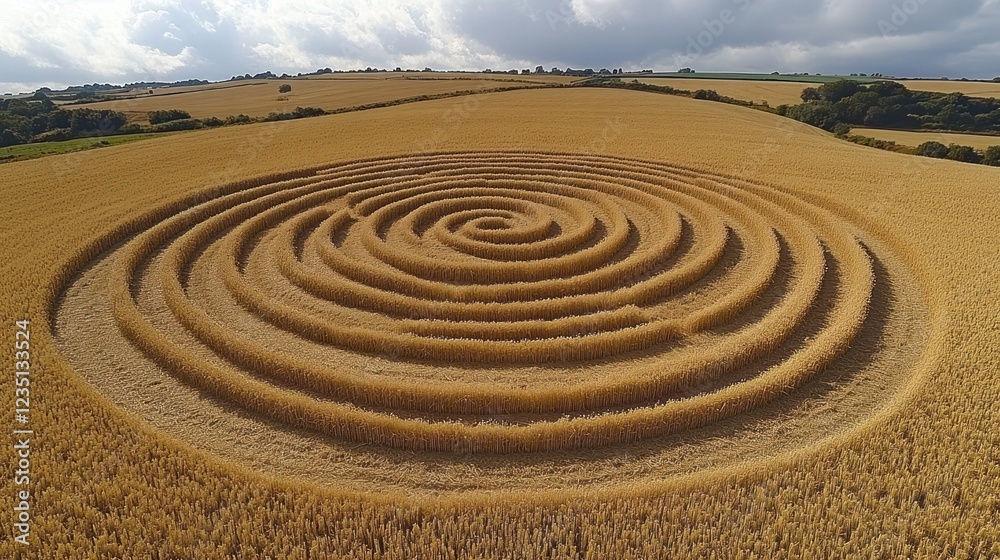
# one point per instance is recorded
(598, 13)
(61, 42)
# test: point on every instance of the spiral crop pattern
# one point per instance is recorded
(698, 294)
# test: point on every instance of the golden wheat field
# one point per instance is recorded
(257, 98)
(546, 323)
(773, 93)
(972, 89)
(909, 138)
(776, 93)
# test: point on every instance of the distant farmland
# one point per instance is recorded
(257, 98)
(972, 89)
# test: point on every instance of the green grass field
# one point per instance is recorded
(39, 149)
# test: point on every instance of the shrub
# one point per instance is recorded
(841, 129)
(992, 156)
(284, 88)
(297, 113)
(874, 143)
(932, 149)
(963, 153)
(158, 117)
(212, 122)
(301, 112)
(275, 116)
(180, 124)
(708, 95)
(55, 135)
(238, 119)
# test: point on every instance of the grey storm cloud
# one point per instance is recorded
(760, 35)
(119, 40)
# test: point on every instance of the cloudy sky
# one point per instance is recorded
(65, 42)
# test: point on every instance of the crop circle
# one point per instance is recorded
(496, 302)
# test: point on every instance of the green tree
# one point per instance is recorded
(832, 92)
(932, 149)
(707, 94)
(992, 156)
(9, 138)
(820, 114)
(158, 117)
(842, 129)
(302, 112)
(177, 124)
(238, 119)
(963, 153)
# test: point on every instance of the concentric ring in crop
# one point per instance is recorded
(497, 303)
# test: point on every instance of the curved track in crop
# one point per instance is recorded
(512, 306)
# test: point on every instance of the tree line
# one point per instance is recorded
(837, 106)
(23, 121)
